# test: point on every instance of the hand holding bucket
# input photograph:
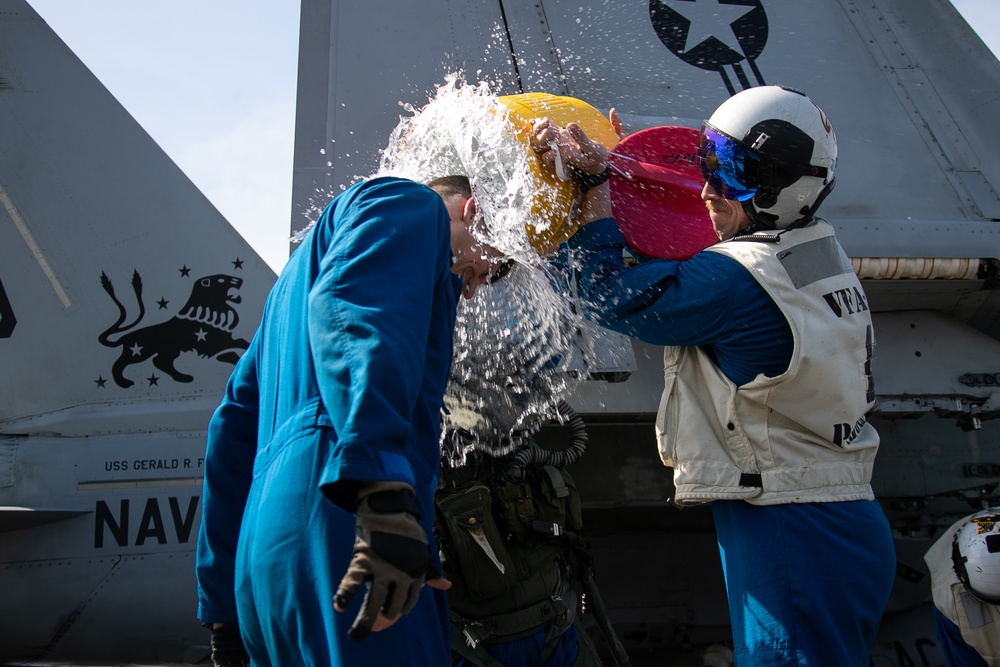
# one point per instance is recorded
(554, 195)
(655, 184)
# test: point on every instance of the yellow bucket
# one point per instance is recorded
(553, 200)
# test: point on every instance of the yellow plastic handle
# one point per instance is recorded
(552, 202)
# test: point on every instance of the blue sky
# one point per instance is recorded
(213, 82)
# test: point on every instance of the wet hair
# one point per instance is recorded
(459, 186)
(451, 186)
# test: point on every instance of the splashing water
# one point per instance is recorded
(515, 341)
(514, 347)
(466, 130)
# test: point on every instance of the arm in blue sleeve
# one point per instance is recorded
(369, 319)
(658, 301)
(228, 469)
(956, 651)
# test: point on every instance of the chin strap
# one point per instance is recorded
(761, 221)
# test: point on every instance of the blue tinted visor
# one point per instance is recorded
(728, 166)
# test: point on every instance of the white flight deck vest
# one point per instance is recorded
(977, 620)
(801, 436)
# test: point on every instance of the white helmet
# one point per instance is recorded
(975, 555)
(772, 149)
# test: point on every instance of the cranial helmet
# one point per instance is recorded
(772, 149)
(975, 555)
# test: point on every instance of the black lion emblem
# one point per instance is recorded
(204, 325)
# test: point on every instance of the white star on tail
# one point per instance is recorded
(709, 18)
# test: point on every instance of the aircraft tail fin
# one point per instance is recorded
(120, 284)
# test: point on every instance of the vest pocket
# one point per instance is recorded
(483, 560)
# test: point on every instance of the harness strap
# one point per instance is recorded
(462, 644)
(557, 480)
(511, 625)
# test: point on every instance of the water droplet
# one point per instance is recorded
(517, 340)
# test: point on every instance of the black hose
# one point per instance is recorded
(539, 456)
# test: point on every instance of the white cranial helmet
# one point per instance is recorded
(975, 555)
(773, 149)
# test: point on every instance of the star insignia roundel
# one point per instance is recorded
(710, 34)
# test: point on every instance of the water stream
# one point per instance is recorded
(518, 342)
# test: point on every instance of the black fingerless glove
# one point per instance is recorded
(391, 555)
(227, 646)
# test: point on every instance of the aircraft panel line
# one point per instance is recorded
(139, 483)
(36, 251)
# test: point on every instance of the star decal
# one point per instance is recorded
(136, 349)
(100, 381)
(162, 303)
(185, 271)
(238, 264)
(152, 379)
(709, 18)
(201, 334)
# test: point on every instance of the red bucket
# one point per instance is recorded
(656, 193)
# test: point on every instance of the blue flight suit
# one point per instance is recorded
(806, 582)
(344, 380)
(957, 652)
